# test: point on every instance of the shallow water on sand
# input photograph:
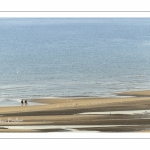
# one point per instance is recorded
(129, 112)
(69, 128)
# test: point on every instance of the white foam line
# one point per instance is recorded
(130, 112)
(72, 128)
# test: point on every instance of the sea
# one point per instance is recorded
(72, 57)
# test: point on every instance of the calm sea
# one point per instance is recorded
(72, 57)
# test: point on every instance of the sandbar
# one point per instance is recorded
(68, 111)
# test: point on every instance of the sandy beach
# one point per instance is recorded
(120, 114)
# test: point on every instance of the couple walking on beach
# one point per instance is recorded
(24, 102)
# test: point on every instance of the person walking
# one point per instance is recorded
(22, 102)
(25, 102)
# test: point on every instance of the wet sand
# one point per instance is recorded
(68, 111)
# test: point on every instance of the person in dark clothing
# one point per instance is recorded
(22, 102)
(26, 102)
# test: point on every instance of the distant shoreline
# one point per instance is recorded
(145, 93)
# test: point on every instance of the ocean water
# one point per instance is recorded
(63, 57)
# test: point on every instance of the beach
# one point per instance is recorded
(129, 112)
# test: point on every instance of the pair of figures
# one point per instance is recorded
(24, 102)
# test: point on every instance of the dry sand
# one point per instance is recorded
(66, 111)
